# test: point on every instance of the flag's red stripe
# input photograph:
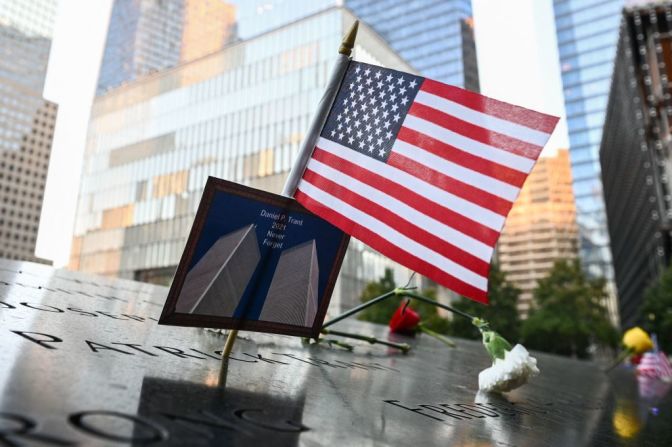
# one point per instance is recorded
(390, 250)
(400, 224)
(519, 115)
(412, 198)
(465, 159)
(485, 136)
(433, 177)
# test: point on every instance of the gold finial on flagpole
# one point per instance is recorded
(348, 42)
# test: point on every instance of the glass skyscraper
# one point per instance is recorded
(26, 122)
(431, 35)
(434, 36)
(238, 114)
(145, 36)
(587, 32)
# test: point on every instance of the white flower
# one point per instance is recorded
(510, 373)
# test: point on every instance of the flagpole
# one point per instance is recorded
(320, 117)
(322, 113)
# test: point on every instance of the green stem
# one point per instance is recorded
(622, 356)
(340, 344)
(404, 347)
(437, 304)
(436, 335)
(359, 308)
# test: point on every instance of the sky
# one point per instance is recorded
(517, 58)
(72, 73)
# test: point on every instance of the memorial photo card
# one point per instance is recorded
(255, 261)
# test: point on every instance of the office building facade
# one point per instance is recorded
(587, 32)
(541, 228)
(145, 36)
(26, 122)
(239, 114)
(635, 155)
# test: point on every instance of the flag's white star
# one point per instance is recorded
(351, 140)
(388, 134)
(355, 112)
(363, 106)
(393, 97)
(378, 130)
(376, 121)
(340, 126)
(389, 78)
(340, 115)
(370, 148)
(368, 127)
(404, 100)
(362, 144)
(379, 141)
(366, 117)
(372, 101)
(400, 81)
(359, 80)
(369, 81)
(357, 124)
(358, 69)
(352, 94)
(345, 102)
(371, 91)
(374, 110)
(333, 133)
(381, 152)
(346, 110)
(378, 74)
(360, 87)
(385, 113)
(362, 97)
(380, 84)
(341, 135)
(413, 83)
(394, 107)
(390, 87)
(367, 71)
(383, 104)
(348, 129)
(396, 117)
(369, 138)
(387, 125)
(402, 90)
(381, 95)
(359, 134)
(347, 120)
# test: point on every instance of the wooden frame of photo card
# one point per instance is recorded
(221, 259)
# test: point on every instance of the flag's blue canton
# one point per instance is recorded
(370, 108)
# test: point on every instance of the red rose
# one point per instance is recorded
(405, 320)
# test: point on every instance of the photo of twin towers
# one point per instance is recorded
(255, 261)
(216, 284)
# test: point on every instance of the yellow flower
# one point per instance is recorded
(637, 340)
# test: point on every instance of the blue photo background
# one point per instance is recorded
(229, 212)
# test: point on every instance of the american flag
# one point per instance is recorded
(421, 171)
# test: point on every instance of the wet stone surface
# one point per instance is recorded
(83, 362)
